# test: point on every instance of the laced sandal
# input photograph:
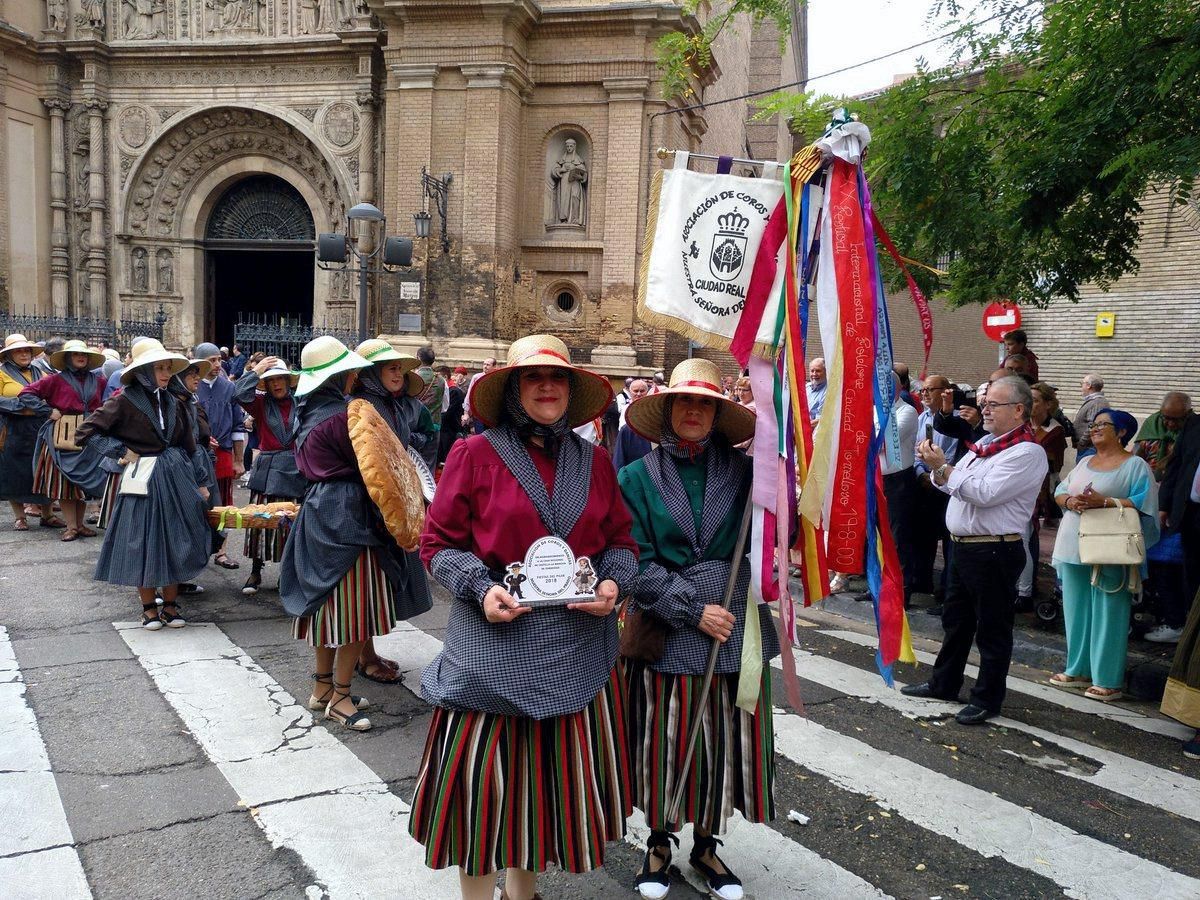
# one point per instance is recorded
(722, 885)
(322, 701)
(356, 721)
(20, 525)
(84, 531)
(148, 623)
(71, 534)
(172, 619)
(253, 583)
(52, 522)
(654, 885)
(224, 562)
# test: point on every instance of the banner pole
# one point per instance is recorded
(706, 685)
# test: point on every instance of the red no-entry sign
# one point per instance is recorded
(999, 319)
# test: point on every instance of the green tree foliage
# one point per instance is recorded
(1025, 162)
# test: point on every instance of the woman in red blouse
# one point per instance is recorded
(70, 477)
(525, 764)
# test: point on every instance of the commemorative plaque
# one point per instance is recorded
(551, 575)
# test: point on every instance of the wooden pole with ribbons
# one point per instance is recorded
(739, 551)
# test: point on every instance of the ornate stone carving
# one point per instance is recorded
(203, 142)
(56, 15)
(340, 124)
(232, 75)
(165, 272)
(126, 164)
(233, 17)
(309, 112)
(309, 20)
(142, 20)
(139, 269)
(135, 127)
(567, 187)
(166, 112)
(91, 14)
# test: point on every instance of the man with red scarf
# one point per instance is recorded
(992, 490)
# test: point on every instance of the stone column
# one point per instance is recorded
(366, 148)
(97, 266)
(623, 203)
(60, 259)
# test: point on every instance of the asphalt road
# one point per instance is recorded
(180, 764)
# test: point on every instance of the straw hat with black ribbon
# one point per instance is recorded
(321, 359)
(17, 342)
(95, 358)
(697, 378)
(147, 352)
(590, 393)
(378, 351)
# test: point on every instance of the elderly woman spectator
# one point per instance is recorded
(687, 498)
(158, 535)
(530, 694)
(743, 393)
(342, 575)
(1097, 599)
(19, 427)
(70, 476)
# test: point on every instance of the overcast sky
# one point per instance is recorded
(843, 32)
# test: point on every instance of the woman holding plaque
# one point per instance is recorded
(342, 575)
(525, 764)
(687, 497)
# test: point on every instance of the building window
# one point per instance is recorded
(566, 301)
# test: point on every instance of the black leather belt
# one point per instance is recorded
(985, 538)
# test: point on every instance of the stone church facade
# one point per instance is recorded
(187, 152)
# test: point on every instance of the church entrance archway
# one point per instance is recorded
(259, 262)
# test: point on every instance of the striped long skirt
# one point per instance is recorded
(362, 606)
(109, 500)
(733, 767)
(265, 544)
(495, 792)
(49, 480)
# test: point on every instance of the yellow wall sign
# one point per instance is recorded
(1106, 324)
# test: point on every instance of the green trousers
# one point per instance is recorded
(1097, 624)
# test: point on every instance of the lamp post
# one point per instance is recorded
(361, 223)
(437, 190)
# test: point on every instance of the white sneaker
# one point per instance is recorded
(1165, 634)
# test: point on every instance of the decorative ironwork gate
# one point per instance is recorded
(93, 330)
(286, 337)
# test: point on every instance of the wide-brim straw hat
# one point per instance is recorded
(58, 359)
(18, 342)
(699, 378)
(280, 372)
(202, 365)
(321, 359)
(378, 351)
(147, 353)
(590, 394)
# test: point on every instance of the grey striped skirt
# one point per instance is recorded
(161, 538)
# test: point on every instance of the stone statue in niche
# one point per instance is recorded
(141, 270)
(93, 13)
(568, 187)
(56, 15)
(142, 19)
(309, 17)
(237, 15)
(166, 272)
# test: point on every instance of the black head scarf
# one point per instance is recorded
(314, 408)
(394, 408)
(82, 380)
(513, 413)
(677, 446)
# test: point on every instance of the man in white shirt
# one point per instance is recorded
(816, 389)
(900, 485)
(992, 490)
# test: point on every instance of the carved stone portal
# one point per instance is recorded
(567, 184)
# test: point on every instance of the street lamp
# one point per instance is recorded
(437, 190)
(333, 250)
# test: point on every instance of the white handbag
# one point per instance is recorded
(135, 480)
(1111, 536)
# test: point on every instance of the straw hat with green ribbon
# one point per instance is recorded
(280, 372)
(378, 351)
(146, 352)
(321, 359)
(590, 393)
(95, 358)
(698, 378)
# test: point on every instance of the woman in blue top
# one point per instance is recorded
(1097, 614)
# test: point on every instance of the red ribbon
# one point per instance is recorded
(762, 277)
(700, 384)
(554, 353)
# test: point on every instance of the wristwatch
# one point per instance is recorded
(939, 473)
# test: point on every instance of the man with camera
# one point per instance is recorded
(992, 492)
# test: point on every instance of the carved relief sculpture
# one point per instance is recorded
(159, 17)
(309, 12)
(237, 15)
(141, 19)
(141, 271)
(166, 272)
(134, 127)
(568, 187)
(341, 124)
(56, 15)
(93, 12)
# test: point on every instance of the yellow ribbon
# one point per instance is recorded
(750, 678)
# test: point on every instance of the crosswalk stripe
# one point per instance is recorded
(37, 854)
(769, 863)
(306, 790)
(989, 825)
(1167, 790)
(1077, 702)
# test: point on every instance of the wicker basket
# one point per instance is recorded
(228, 517)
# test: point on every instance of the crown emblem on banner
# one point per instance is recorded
(733, 223)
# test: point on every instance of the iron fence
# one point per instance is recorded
(286, 337)
(90, 329)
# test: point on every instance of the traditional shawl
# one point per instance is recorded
(145, 395)
(572, 475)
(323, 403)
(84, 382)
